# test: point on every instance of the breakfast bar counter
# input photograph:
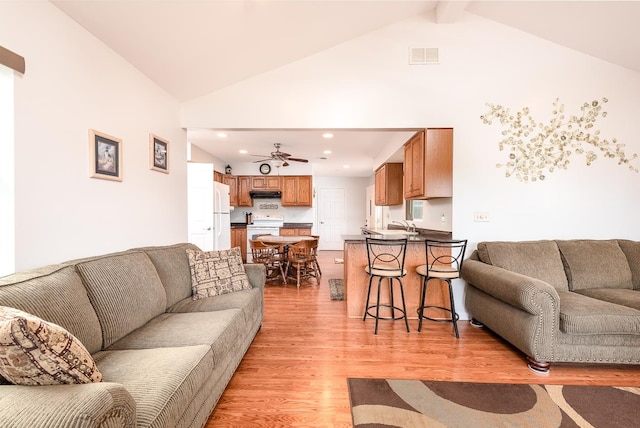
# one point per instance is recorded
(356, 280)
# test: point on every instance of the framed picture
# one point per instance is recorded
(105, 153)
(158, 154)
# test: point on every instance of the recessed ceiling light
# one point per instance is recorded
(346, 166)
(243, 151)
(327, 152)
(221, 135)
(327, 135)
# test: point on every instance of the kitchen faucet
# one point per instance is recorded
(409, 228)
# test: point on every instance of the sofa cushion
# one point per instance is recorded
(595, 264)
(631, 250)
(537, 259)
(125, 291)
(172, 265)
(584, 315)
(162, 381)
(619, 296)
(35, 352)
(219, 330)
(56, 294)
(217, 272)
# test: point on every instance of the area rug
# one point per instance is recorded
(336, 288)
(415, 403)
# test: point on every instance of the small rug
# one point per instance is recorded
(336, 288)
(415, 403)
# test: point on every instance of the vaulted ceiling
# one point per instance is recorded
(193, 48)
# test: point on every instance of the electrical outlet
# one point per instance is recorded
(481, 216)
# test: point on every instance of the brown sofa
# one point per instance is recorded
(559, 301)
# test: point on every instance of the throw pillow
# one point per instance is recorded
(36, 352)
(216, 272)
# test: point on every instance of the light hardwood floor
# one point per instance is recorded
(294, 374)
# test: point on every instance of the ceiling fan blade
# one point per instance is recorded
(262, 160)
(297, 160)
(285, 163)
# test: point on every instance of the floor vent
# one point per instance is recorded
(420, 56)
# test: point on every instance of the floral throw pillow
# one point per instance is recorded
(216, 272)
(37, 352)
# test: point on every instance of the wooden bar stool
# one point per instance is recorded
(385, 259)
(444, 262)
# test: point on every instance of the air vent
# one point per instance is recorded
(421, 56)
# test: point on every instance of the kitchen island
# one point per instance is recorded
(356, 280)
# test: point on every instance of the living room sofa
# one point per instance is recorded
(165, 358)
(572, 301)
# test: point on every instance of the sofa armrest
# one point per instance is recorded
(523, 292)
(257, 274)
(103, 404)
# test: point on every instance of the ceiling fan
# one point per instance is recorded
(279, 156)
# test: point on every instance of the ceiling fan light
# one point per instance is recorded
(278, 163)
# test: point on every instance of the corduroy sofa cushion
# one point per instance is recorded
(54, 293)
(537, 259)
(595, 264)
(172, 265)
(125, 291)
(631, 250)
(584, 315)
(619, 296)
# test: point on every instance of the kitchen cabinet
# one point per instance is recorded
(296, 191)
(295, 232)
(428, 164)
(239, 239)
(217, 176)
(244, 187)
(265, 182)
(388, 182)
(232, 182)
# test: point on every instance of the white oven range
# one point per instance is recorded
(263, 224)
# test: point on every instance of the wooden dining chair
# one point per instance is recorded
(300, 261)
(315, 254)
(271, 257)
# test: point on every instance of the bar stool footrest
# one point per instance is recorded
(392, 318)
(455, 319)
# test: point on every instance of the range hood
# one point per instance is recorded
(265, 194)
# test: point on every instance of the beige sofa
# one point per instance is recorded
(165, 358)
(572, 301)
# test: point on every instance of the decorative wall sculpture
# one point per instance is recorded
(536, 148)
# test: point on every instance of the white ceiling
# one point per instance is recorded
(192, 48)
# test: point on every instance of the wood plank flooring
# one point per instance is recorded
(294, 374)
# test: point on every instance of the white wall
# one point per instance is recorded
(366, 83)
(73, 83)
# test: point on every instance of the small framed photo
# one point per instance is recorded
(105, 153)
(158, 154)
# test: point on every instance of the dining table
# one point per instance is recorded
(283, 240)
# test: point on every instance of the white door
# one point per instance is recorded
(331, 218)
(200, 205)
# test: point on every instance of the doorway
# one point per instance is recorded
(331, 218)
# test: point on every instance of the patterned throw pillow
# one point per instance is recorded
(217, 272)
(36, 352)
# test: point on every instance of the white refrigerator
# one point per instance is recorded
(209, 224)
(221, 217)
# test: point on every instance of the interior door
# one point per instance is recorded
(200, 205)
(331, 218)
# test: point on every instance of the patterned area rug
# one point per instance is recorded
(336, 288)
(414, 403)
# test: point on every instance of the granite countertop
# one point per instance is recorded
(297, 225)
(423, 236)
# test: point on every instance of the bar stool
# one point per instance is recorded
(385, 259)
(444, 262)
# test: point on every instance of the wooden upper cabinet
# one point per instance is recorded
(232, 182)
(296, 191)
(217, 176)
(428, 164)
(388, 184)
(244, 187)
(265, 182)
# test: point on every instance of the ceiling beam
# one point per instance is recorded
(448, 12)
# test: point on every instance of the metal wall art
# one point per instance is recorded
(535, 148)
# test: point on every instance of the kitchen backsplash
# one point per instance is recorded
(274, 206)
